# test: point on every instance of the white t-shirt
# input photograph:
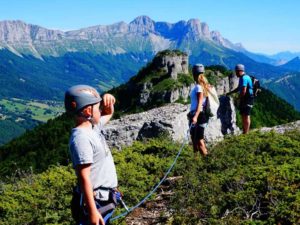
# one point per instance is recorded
(194, 99)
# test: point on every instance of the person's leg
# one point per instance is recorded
(246, 123)
(200, 141)
(193, 133)
(195, 147)
(202, 147)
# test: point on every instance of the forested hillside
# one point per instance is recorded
(28, 77)
(47, 144)
(270, 110)
(287, 88)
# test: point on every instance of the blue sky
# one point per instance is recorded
(266, 26)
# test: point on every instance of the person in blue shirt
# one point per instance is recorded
(246, 97)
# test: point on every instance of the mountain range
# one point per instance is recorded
(141, 35)
(293, 64)
(283, 57)
(40, 63)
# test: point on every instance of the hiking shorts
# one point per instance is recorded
(197, 132)
(246, 107)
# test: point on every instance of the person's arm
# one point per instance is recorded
(243, 92)
(233, 91)
(199, 107)
(87, 190)
(107, 105)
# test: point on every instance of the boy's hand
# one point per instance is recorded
(96, 219)
(108, 100)
(107, 104)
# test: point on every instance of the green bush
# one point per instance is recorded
(249, 179)
(45, 198)
(38, 199)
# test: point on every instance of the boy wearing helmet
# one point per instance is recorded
(91, 157)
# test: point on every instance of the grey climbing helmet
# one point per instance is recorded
(239, 67)
(79, 96)
(198, 68)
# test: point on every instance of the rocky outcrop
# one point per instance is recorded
(282, 128)
(182, 92)
(166, 64)
(145, 93)
(173, 64)
(170, 120)
(224, 85)
(20, 32)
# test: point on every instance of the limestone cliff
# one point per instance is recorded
(164, 80)
(167, 80)
(171, 120)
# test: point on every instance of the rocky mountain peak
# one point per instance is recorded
(297, 58)
(142, 20)
(197, 29)
(142, 24)
(217, 37)
(293, 64)
(17, 31)
(194, 23)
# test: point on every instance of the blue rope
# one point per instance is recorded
(157, 185)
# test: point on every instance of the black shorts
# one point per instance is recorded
(246, 107)
(197, 132)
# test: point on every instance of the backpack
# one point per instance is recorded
(207, 109)
(255, 85)
(204, 115)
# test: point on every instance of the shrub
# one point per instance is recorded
(247, 178)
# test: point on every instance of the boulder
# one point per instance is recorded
(282, 128)
(170, 120)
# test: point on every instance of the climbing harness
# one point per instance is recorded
(128, 210)
(105, 208)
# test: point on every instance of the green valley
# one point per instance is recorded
(17, 116)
